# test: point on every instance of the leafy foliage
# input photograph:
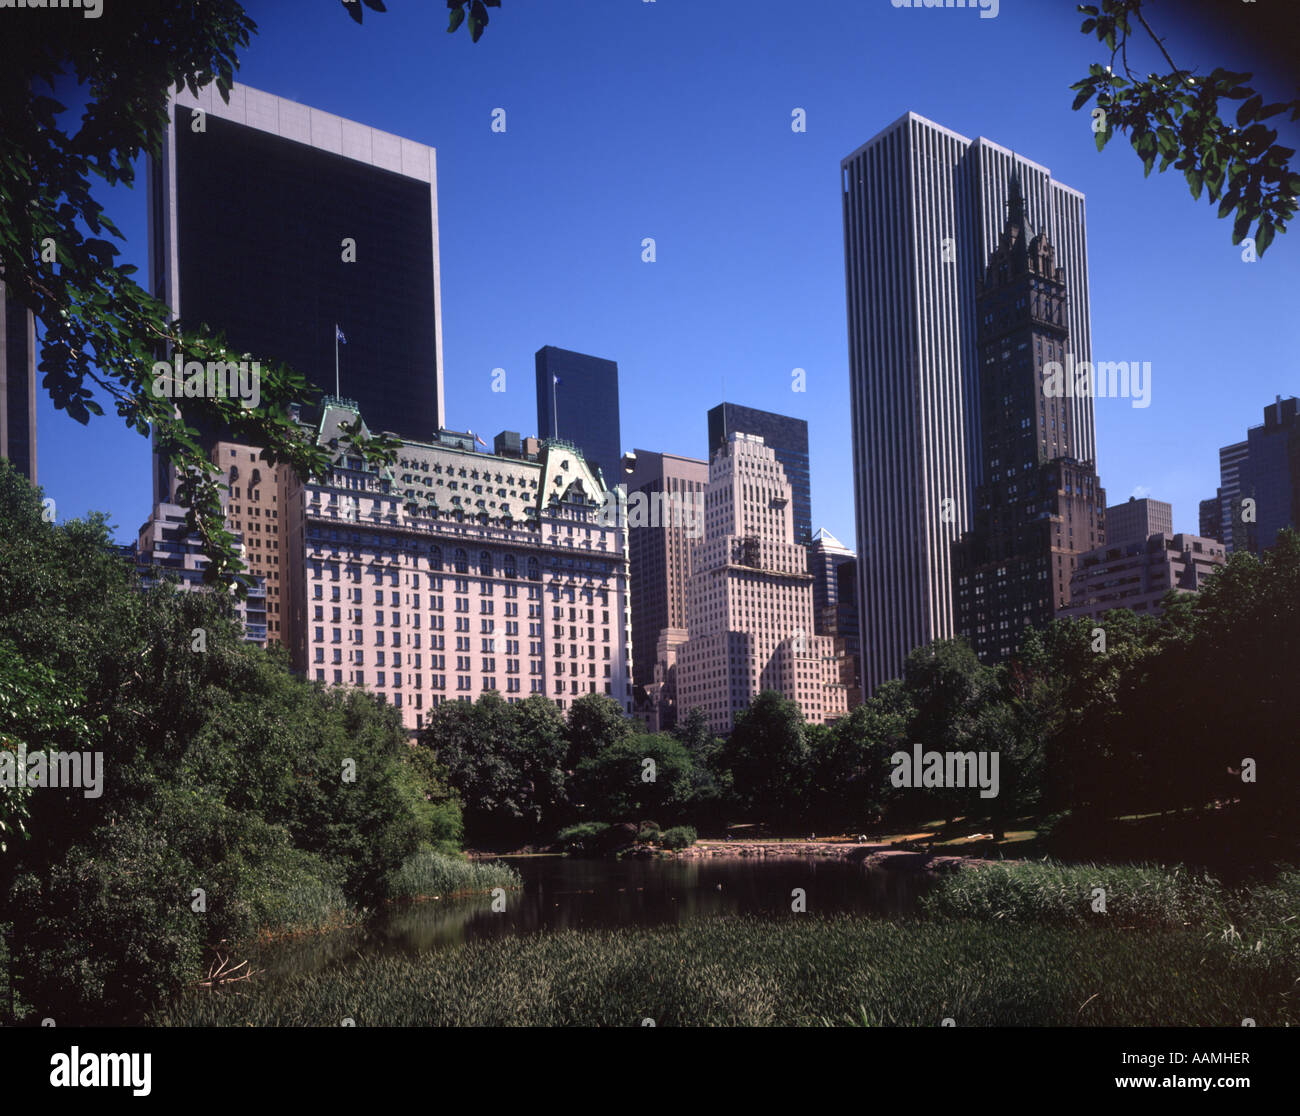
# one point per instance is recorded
(1175, 117)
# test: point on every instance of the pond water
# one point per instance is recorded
(560, 893)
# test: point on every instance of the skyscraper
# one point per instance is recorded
(1037, 507)
(750, 604)
(835, 612)
(284, 226)
(17, 385)
(787, 437)
(1270, 476)
(577, 401)
(1210, 519)
(924, 208)
(1231, 459)
(665, 519)
(1137, 520)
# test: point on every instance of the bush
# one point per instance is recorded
(649, 832)
(581, 838)
(679, 837)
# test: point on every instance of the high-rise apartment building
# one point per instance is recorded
(17, 385)
(665, 506)
(750, 604)
(1037, 507)
(1136, 520)
(1137, 573)
(286, 227)
(253, 505)
(924, 209)
(454, 573)
(577, 400)
(785, 436)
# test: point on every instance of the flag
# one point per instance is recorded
(556, 379)
(479, 440)
(338, 334)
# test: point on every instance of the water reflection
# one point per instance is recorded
(560, 893)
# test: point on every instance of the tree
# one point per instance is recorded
(505, 761)
(596, 722)
(306, 815)
(1175, 117)
(849, 762)
(617, 784)
(767, 756)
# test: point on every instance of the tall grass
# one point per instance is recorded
(1055, 894)
(805, 970)
(428, 873)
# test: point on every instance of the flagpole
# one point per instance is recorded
(336, 361)
(555, 412)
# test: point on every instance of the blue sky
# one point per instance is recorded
(671, 119)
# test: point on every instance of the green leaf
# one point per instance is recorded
(1195, 180)
(457, 18)
(1263, 237)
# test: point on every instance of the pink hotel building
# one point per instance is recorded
(505, 576)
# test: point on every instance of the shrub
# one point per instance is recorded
(679, 837)
(581, 838)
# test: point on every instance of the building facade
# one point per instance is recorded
(1136, 520)
(1038, 507)
(665, 500)
(577, 400)
(1231, 459)
(834, 572)
(1270, 476)
(454, 573)
(165, 549)
(1209, 519)
(279, 224)
(750, 604)
(787, 437)
(923, 209)
(17, 385)
(1137, 574)
(252, 506)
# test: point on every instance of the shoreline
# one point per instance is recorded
(869, 854)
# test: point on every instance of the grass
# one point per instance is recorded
(803, 971)
(429, 874)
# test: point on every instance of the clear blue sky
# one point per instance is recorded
(671, 119)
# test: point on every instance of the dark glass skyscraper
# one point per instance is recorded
(787, 436)
(582, 408)
(1038, 506)
(17, 386)
(275, 222)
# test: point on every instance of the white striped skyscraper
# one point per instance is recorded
(923, 208)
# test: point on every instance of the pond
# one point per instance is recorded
(560, 893)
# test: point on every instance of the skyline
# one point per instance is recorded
(532, 256)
